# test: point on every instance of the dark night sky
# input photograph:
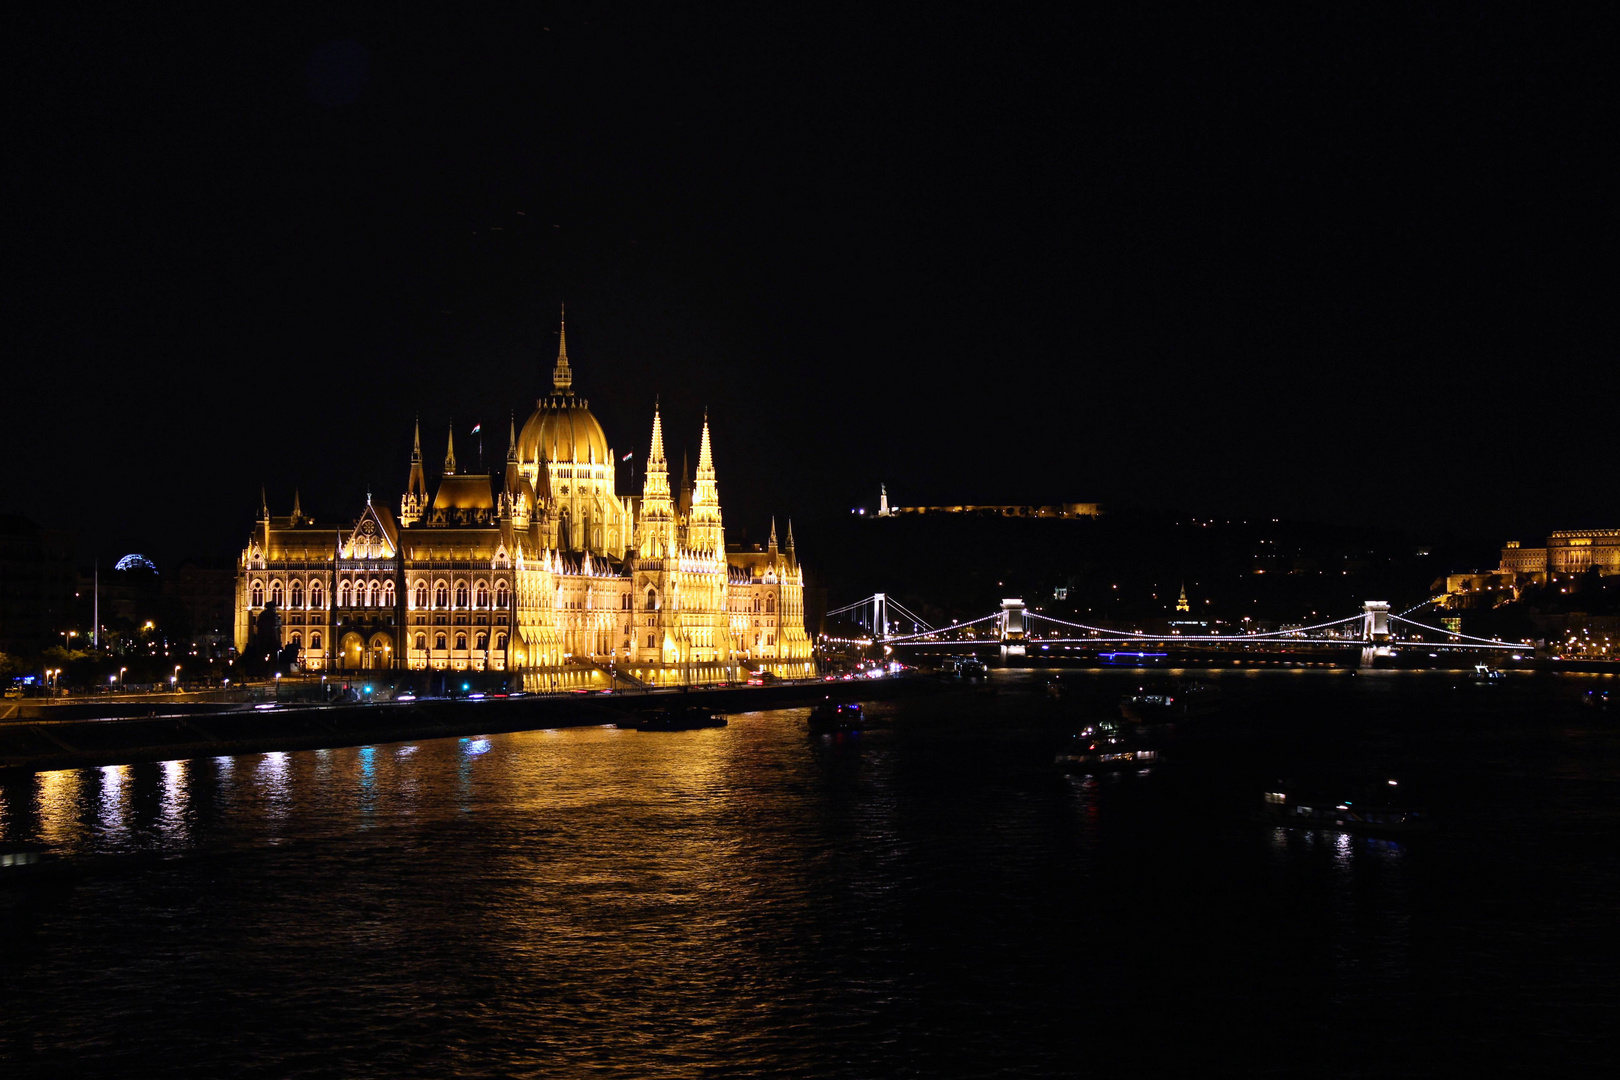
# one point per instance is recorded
(1242, 260)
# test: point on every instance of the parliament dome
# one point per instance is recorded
(563, 429)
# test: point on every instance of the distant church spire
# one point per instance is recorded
(450, 452)
(298, 510)
(1181, 604)
(562, 376)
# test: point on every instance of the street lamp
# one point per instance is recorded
(121, 677)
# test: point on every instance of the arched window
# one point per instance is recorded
(461, 594)
(624, 602)
(258, 594)
(756, 604)
(481, 642)
(316, 595)
(481, 596)
(500, 642)
(770, 639)
(315, 640)
(388, 594)
(501, 596)
(343, 594)
(421, 642)
(652, 600)
(651, 641)
(461, 641)
(295, 594)
(275, 593)
(438, 642)
(372, 592)
(770, 604)
(296, 640)
(441, 595)
(421, 594)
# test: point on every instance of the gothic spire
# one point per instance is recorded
(511, 437)
(705, 454)
(771, 543)
(655, 454)
(416, 442)
(562, 376)
(264, 505)
(450, 452)
(790, 535)
(298, 510)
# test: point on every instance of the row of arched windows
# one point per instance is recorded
(477, 597)
(366, 594)
(480, 641)
(293, 597)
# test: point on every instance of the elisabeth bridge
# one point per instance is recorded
(1015, 629)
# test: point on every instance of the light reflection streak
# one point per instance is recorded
(272, 774)
(57, 802)
(173, 800)
(114, 803)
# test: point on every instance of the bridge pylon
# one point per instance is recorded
(1012, 628)
(880, 616)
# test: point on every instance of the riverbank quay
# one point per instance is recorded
(78, 738)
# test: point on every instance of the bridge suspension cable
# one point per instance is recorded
(901, 608)
(942, 630)
(1455, 634)
(1256, 636)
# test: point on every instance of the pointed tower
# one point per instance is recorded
(450, 452)
(683, 504)
(513, 474)
(1181, 603)
(656, 530)
(264, 505)
(413, 504)
(562, 376)
(792, 557)
(770, 545)
(704, 528)
(298, 509)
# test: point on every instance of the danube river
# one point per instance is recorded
(929, 898)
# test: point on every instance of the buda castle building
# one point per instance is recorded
(542, 571)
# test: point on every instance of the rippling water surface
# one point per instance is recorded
(929, 898)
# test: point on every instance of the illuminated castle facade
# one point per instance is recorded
(542, 571)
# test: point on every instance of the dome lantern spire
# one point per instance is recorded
(562, 376)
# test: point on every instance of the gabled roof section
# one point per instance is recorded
(375, 535)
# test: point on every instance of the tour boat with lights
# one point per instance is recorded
(1176, 703)
(1370, 809)
(1100, 747)
(832, 716)
(678, 718)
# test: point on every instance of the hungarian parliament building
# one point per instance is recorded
(542, 571)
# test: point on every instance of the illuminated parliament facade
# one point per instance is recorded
(542, 571)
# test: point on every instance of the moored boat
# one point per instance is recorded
(837, 716)
(679, 718)
(1364, 811)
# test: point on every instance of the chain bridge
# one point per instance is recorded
(1014, 628)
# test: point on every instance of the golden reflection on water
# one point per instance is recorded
(56, 803)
